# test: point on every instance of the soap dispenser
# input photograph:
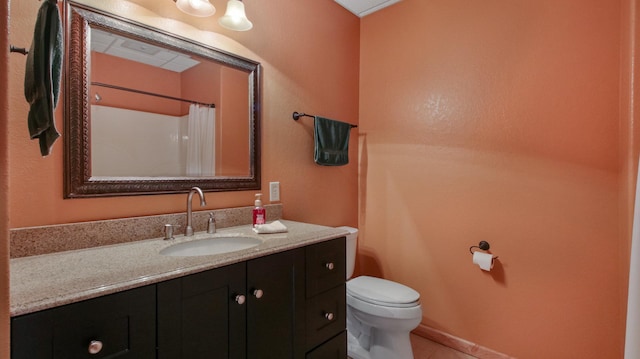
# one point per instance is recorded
(259, 213)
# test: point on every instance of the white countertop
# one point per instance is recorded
(51, 280)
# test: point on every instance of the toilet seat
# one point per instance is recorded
(382, 292)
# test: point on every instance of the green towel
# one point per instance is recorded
(42, 76)
(331, 142)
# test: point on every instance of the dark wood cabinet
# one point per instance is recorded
(202, 313)
(121, 325)
(288, 305)
(326, 308)
(334, 348)
(275, 306)
(246, 310)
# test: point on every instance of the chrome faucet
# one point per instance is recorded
(189, 230)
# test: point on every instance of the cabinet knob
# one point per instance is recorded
(257, 293)
(329, 265)
(328, 316)
(240, 299)
(95, 346)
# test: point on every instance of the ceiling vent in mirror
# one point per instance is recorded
(142, 52)
(365, 7)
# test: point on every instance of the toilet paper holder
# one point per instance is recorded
(483, 245)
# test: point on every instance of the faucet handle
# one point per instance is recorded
(168, 230)
(211, 225)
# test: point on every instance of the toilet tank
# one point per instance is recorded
(352, 240)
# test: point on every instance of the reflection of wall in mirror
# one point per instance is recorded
(129, 143)
(226, 87)
(135, 134)
(114, 70)
(234, 150)
(208, 91)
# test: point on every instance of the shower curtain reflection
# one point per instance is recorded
(201, 141)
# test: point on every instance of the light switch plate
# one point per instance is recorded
(274, 191)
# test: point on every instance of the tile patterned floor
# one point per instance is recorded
(427, 349)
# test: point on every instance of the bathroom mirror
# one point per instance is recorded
(148, 112)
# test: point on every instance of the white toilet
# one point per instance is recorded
(380, 313)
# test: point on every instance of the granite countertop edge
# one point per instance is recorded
(52, 280)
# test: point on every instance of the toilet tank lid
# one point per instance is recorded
(381, 290)
(351, 230)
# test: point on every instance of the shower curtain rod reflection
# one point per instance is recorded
(100, 84)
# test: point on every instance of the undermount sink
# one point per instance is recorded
(209, 246)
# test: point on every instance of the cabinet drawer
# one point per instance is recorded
(123, 323)
(335, 348)
(326, 266)
(326, 316)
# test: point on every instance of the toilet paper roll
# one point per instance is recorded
(483, 260)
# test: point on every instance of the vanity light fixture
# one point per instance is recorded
(199, 8)
(235, 18)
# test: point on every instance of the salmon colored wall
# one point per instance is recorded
(479, 121)
(298, 75)
(629, 134)
(4, 184)
(116, 71)
(497, 121)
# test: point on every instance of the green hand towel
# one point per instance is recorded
(42, 76)
(331, 142)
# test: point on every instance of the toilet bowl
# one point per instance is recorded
(380, 313)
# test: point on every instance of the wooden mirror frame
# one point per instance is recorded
(77, 135)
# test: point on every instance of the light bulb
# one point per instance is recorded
(235, 17)
(199, 8)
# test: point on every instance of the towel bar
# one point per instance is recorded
(296, 116)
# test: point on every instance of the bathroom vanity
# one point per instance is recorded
(284, 298)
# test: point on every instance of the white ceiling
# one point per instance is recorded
(365, 7)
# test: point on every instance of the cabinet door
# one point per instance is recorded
(275, 310)
(199, 317)
(120, 325)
